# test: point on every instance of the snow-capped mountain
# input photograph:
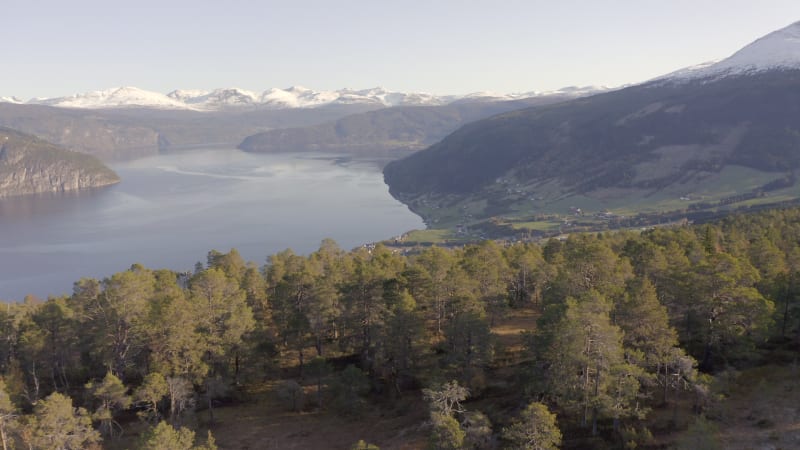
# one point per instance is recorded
(569, 91)
(779, 50)
(216, 99)
(300, 97)
(113, 98)
(293, 97)
(14, 100)
(235, 98)
(679, 133)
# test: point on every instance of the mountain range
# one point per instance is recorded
(707, 134)
(388, 132)
(227, 99)
(134, 132)
(128, 123)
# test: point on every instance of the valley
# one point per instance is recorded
(357, 269)
(510, 210)
(685, 146)
(168, 208)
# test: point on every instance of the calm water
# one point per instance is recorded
(170, 210)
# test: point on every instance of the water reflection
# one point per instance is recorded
(39, 206)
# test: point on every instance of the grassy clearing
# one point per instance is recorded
(520, 204)
(759, 409)
(265, 424)
(261, 420)
(431, 236)
(733, 180)
(541, 225)
(509, 336)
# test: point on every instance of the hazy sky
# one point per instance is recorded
(56, 47)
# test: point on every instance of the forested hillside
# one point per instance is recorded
(389, 131)
(642, 145)
(615, 340)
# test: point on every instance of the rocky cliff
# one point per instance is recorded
(29, 165)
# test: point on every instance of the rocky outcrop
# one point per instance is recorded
(29, 165)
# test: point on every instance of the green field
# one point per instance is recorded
(548, 208)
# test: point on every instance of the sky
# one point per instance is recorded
(54, 48)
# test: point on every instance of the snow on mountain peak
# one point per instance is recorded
(183, 95)
(299, 89)
(14, 100)
(113, 98)
(777, 50)
(275, 98)
(222, 98)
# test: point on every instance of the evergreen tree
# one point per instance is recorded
(57, 425)
(729, 310)
(530, 275)
(447, 433)
(486, 266)
(111, 395)
(586, 369)
(534, 429)
(445, 403)
(150, 393)
(8, 416)
(649, 340)
(437, 282)
(164, 437)
(477, 430)
(469, 346)
(119, 312)
(348, 391)
(401, 344)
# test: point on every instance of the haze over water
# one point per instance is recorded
(170, 210)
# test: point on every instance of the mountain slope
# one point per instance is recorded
(84, 131)
(601, 141)
(126, 123)
(29, 166)
(117, 134)
(113, 98)
(389, 130)
(779, 50)
(677, 136)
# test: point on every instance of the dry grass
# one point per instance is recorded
(508, 331)
(266, 425)
(758, 409)
(262, 420)
(763, 410)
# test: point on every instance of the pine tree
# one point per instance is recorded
(150, 393)
(111, 396)
(57, 425)
(586, 369)
(8, 416)
(164, 437)
(534, 429)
